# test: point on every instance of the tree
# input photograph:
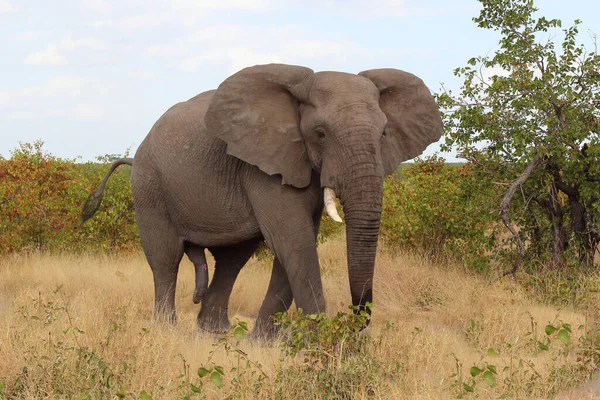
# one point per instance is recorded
(535, 124)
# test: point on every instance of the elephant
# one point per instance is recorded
(257, 160)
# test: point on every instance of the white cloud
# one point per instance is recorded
(142, 74)
(488, 73)
(380, 8)
(27, 114)
(321, 49)
(239, 46)
(81, 112)
(98, 5)
(204, 6)
(6, 7)
(33, 34)
(237, 59)
(50, 57)
(87, 112)
(84, 42)
(60, 84)
(53, 86)
(148, 20)
(183, 12)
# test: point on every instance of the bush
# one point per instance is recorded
(40, 204)
(442, 210)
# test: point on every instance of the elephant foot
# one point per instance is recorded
(213, 322)
(265, 331)
(162, 316)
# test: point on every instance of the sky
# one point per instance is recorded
(90, 77)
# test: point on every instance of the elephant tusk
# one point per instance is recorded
(329, 195)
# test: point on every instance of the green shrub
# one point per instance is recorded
(442, 210)
(41, 197)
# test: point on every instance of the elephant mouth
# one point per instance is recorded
(330, 206)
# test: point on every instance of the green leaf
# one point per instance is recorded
(216, 379)
(492, 352)
(195, 388)
(239, 333)
(202, 372)
(542, 346)
(474, 371)
(468, 388)
(489, 378)
(492, 368)
(567, 327)
(145, 396)
(564, 336)
(219, 369)
(550, 329)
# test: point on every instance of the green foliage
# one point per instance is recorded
(337, 360)
(323, 339)
(40, 204)
(518, 377)
(442, 210)
(540, 108)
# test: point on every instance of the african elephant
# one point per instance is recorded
(256, 160)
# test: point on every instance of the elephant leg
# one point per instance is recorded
(228, 263)
(295, 275)
(279, 295)
(196, 255)
(163, 249)
(278, 299)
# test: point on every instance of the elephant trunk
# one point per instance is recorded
(361, 200)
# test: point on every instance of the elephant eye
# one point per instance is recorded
(320, 132)
(384, 133)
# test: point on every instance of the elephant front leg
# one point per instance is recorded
(289, 221)
(296, 276)
(278, 299)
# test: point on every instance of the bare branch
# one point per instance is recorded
(504, 206)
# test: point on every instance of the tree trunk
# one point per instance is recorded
(559, 243)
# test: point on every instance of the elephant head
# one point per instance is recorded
(352, 129)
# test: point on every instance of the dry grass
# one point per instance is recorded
(444, 321)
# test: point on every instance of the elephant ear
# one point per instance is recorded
(256, 114)
(414, 120)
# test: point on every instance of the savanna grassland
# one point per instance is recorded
(81, 327)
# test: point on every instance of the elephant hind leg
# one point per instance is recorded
(196, 255)
(229, 261)
(163, 249)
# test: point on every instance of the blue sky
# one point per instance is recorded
(91, 77)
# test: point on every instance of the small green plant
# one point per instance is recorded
(519, 377)
(336, 359)
(322, 339)
(483, 372)
(244, 379)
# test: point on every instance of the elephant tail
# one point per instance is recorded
(95, 198)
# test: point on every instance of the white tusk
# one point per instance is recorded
(329, 195)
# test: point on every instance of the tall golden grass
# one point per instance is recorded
(431, 323)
